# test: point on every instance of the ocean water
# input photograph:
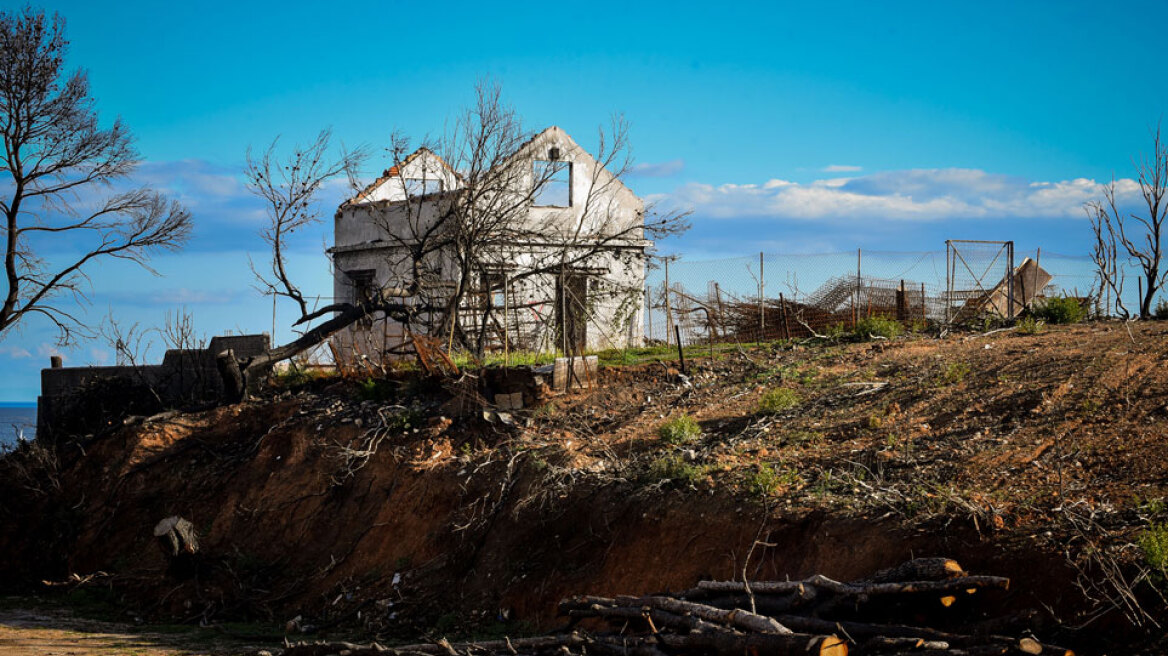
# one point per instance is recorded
(16, 419)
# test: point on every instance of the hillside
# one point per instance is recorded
(1038, 457)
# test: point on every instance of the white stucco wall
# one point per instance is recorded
(368, 233)
(424, 165)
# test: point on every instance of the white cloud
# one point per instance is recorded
(841, 168)
(912, 195)
(45, 350)
(658, 169)
(15, 352)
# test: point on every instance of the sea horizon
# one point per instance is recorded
(17, 418)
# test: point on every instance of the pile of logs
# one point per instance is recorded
(817, 615)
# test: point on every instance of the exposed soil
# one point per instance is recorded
(1039, 457)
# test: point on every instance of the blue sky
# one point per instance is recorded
(786, 127)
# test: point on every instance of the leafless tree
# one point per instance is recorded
(289, 186)
(1140, 234)
(487, 223)
(56, 158)
(289, 189)
(1109, 271)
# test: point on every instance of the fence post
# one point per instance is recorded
(783, 314)
(901, 303)
(761, 300)
(856, 299)
(721, 310)
(924, 310)
(649, 310)
(680, 352)
(668, 312)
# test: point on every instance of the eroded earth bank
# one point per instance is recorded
(376, 509)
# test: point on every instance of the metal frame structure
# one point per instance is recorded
(953, 255)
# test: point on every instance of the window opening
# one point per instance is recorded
(554, 183)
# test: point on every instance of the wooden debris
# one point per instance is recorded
(817, 615)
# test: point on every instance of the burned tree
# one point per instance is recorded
(1138, 234)
(55, 154)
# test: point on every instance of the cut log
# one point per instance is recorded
(917, 569)
(234, 382)
(742, 619)
(858, 590)
(725, 643)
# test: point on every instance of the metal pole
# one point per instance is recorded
(680, 352)
(948, 283)
(1037, 268)
(1010, 281)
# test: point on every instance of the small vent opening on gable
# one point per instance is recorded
(554, 154)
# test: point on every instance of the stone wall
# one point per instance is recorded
(185, 376)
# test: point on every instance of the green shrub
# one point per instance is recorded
(679, 430)
(675, 468)
(835, 331)
(955, 372)
(1154, 543)
(777, 400)
(1060, 310)
(870, 327)
(769, 480)
(1160, 312)
(1029, 326)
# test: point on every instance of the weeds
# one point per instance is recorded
(777, 400)
(295, 377)
(955, 372)
(375, 389)
(679, 430)
(769, 480)
(1029, 326)
(675, 468)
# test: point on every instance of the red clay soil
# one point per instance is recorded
(1039, 457)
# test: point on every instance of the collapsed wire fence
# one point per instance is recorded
(764, 297)
(767, 297)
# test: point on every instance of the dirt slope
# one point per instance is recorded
(1039, 457)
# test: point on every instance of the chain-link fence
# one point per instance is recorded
(773, 296)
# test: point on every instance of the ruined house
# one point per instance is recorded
(560, 265)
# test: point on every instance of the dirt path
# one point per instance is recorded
(56, 632)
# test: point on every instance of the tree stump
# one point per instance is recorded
(231, 376)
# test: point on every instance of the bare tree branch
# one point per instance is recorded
(54, 150)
